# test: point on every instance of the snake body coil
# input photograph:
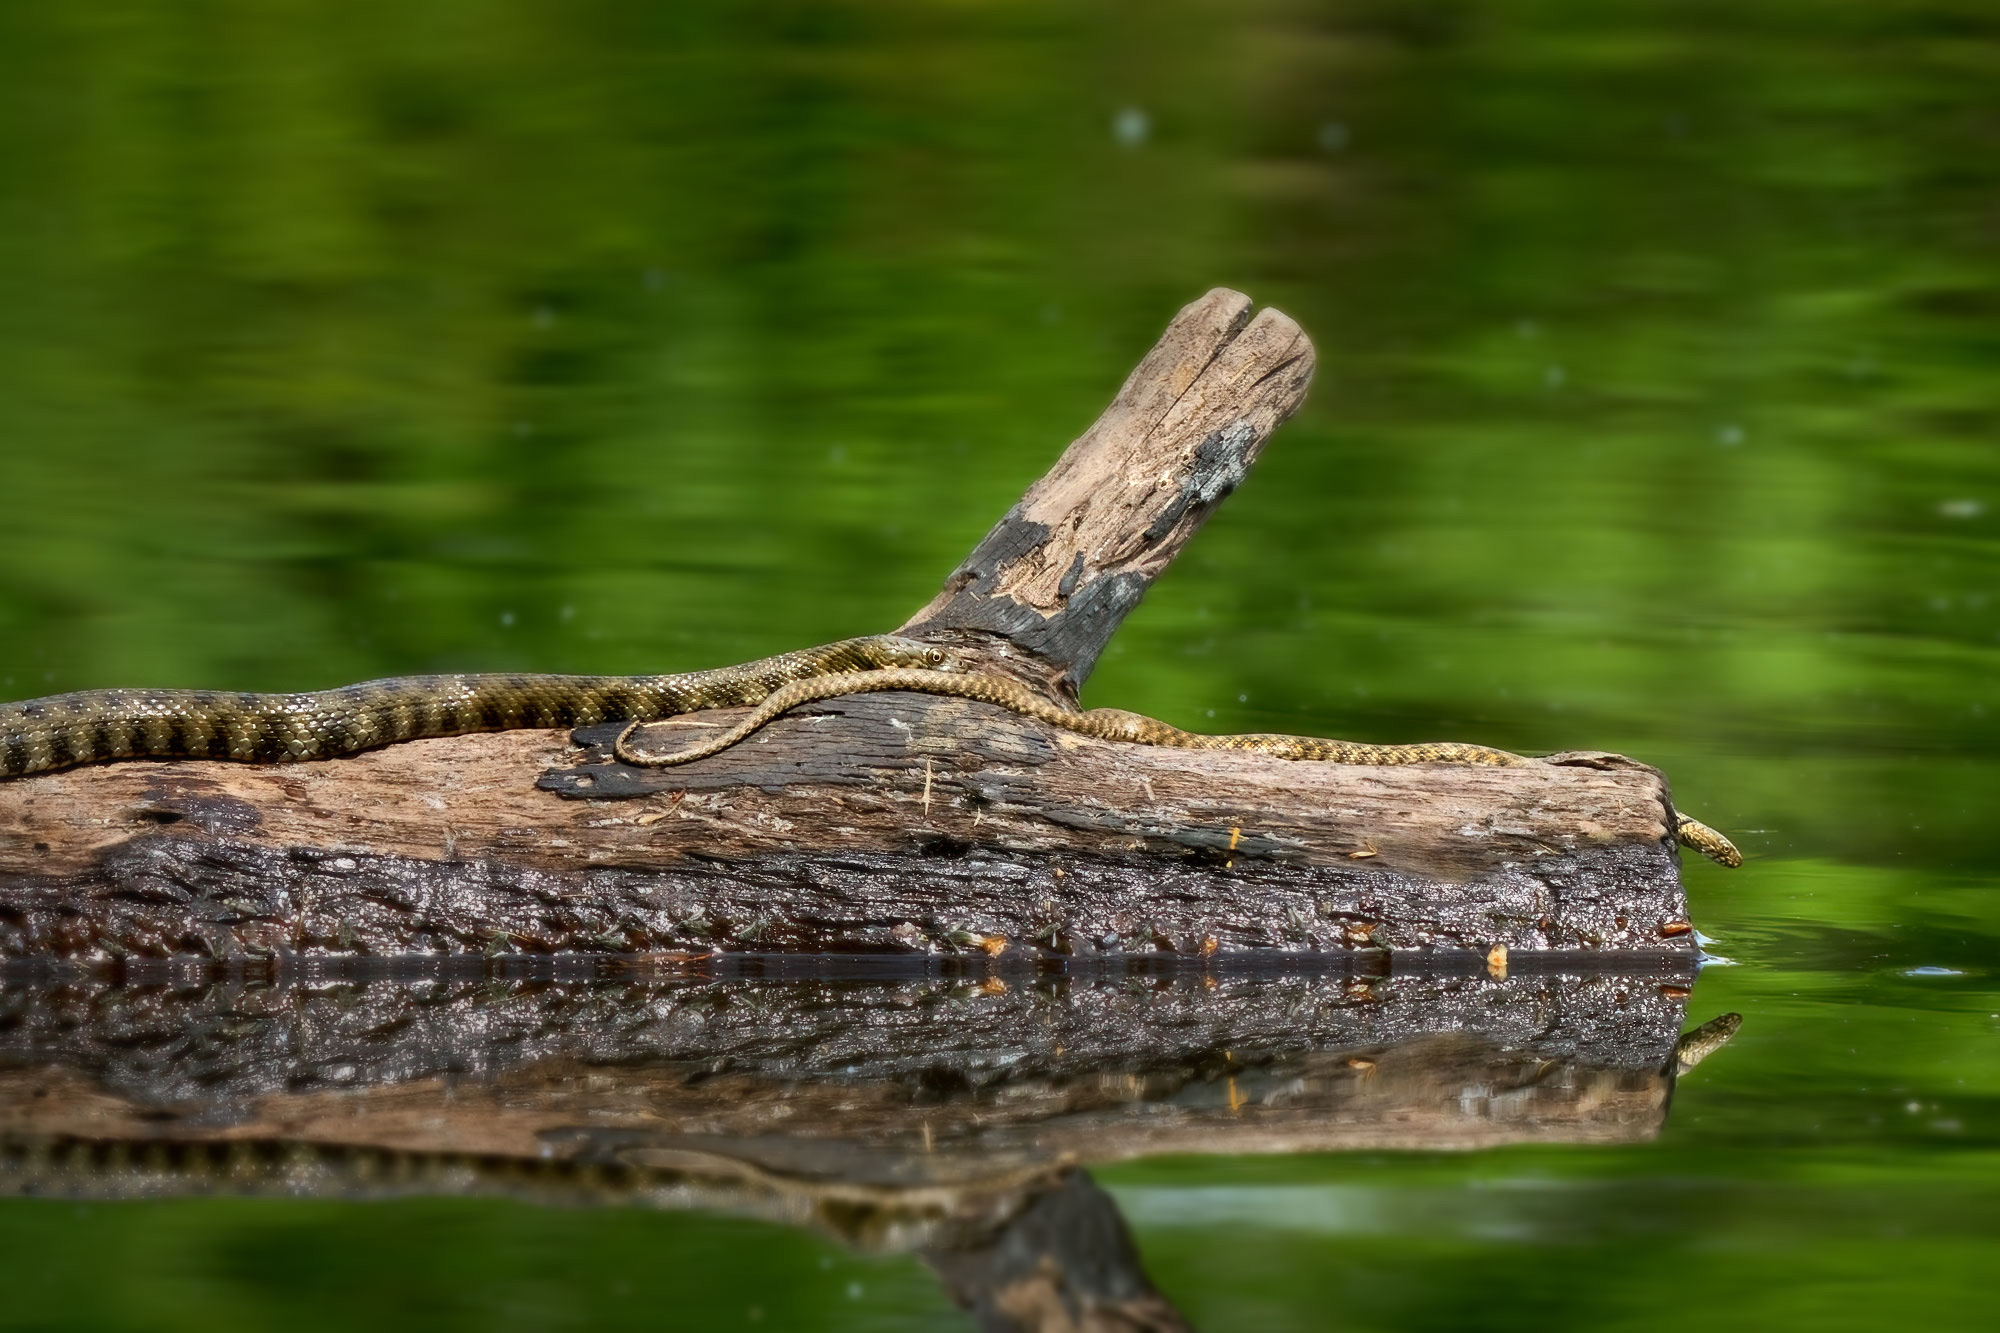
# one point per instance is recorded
(1115, 724)
(1110, 724)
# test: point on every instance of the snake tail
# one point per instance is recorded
(1711, 844)
(1704, 1041)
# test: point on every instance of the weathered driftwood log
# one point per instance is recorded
(895, 823)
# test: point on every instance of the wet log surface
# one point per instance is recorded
(879, 824)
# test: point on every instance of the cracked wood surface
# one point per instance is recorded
(882, 823)
(1059, 572)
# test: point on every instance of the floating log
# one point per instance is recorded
(890, 823)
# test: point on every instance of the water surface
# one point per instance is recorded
(1656, 412)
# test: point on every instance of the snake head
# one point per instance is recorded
(893, 650)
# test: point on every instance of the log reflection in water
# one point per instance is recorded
(944, 1115)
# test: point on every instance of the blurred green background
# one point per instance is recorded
(1657, 411)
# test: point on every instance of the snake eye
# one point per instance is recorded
(934, 656)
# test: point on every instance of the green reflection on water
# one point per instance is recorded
(1656, 412)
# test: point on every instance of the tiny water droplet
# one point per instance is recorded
(1131, 127)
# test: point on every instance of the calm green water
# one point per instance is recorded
(1657, 411)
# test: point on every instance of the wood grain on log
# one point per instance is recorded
(1058, 574)
(884, 823)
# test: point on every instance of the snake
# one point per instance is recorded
(1110, 724)
(90, 726)
(1704, 1041)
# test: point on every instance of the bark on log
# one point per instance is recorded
(882, 823)
(1057, 575)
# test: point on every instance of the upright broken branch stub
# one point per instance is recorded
(1061, 570)
(884, 823)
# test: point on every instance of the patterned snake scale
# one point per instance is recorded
(89, 726)
(1704, 1041)
(92, 725)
